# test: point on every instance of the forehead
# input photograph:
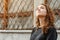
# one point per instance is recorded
(41, 6)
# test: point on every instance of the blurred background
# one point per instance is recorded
(16, 14)
(17, 18)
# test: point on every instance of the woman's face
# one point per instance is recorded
(41, 11)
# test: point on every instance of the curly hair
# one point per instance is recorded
(49, 19)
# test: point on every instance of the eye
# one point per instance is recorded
(42, 7)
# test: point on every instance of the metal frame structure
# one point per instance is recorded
(5, 15)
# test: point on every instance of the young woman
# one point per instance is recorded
(45, 29)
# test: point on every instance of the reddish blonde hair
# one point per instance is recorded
(49, 19)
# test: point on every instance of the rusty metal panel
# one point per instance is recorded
(19, 14)
(55, 5)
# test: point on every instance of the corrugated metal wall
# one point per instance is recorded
(15, 9)
(55, 5)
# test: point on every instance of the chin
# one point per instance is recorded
(39, 16)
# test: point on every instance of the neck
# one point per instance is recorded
(42, 22)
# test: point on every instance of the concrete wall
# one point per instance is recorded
(14, 36)
(21, 35)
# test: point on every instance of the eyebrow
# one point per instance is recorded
(42, 7)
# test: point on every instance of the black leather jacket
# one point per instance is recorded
(38, 35)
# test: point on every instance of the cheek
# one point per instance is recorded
(43, 12)
(37, 13)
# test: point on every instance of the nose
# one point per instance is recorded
(38, 9)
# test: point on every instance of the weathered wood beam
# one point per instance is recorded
(25, 14)
(45, 1)
(5, 8)
(20, 14)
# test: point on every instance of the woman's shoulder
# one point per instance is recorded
(52, 33)
(52, 29)
(34, 28)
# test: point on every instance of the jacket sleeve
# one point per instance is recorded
(52, 35)
(33, 30)
(40, 37)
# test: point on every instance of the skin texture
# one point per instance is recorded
(41, 13)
